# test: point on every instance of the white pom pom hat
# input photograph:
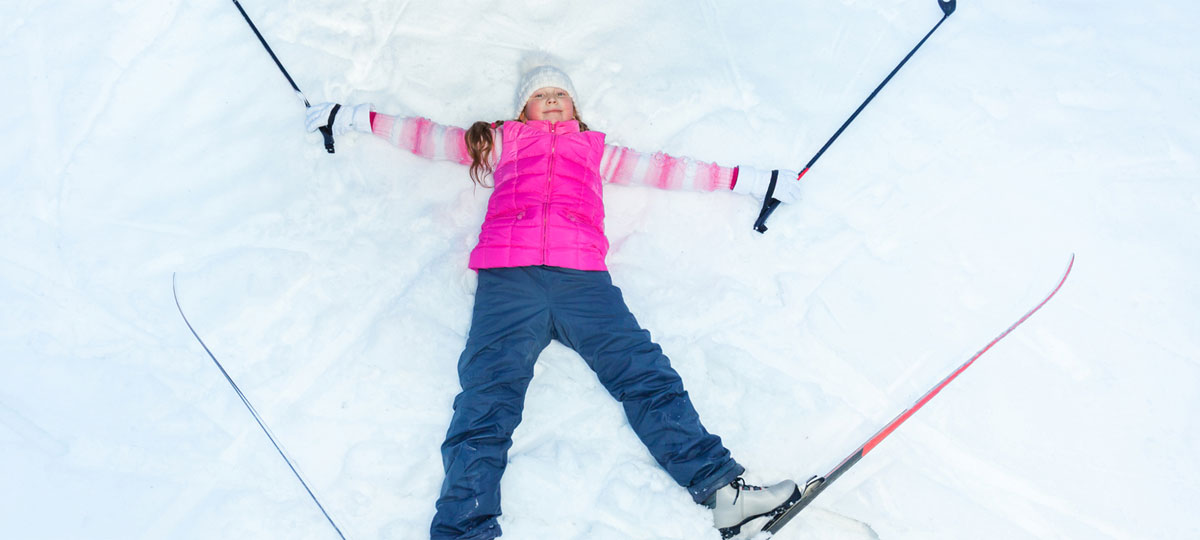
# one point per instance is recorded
(539, 77)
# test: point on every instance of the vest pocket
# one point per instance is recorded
(575, 217)
(510, 215)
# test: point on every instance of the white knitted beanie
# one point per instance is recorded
(541, 77)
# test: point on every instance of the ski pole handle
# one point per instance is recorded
(327, 129)
(770, 203)
(328, 134)
(769, 206)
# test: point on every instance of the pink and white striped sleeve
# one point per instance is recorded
(422, 137)
(627, 167)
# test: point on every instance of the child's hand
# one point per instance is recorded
(350, 118)
(754, 182)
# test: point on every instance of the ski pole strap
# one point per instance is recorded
(769, 204)
(327, 129)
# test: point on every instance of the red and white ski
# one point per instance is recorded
(816, 485)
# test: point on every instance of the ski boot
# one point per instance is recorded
(737, 504)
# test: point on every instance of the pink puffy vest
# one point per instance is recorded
(547, 206)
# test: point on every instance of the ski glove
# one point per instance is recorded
(754, 182)
(346, 119)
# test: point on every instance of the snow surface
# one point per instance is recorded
(145, 138)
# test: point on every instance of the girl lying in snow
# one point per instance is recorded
(542, 276)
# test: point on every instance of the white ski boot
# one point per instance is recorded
(736, 505)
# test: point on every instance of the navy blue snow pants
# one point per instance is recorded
(517, 312)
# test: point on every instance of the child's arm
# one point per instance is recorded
(417, 135)
(623, 166)
(423, 137)
(627, 167)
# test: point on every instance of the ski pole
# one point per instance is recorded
(325, 131)
(769, 202)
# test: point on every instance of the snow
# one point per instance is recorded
(146, 139)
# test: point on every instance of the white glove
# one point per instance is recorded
(348, 118)
(754, 182)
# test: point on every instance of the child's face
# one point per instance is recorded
(550, 104)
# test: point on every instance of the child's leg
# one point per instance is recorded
(590, 316)
(509, 328)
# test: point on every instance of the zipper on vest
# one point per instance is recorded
(546, 195)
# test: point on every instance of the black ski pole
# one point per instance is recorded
(769, 202)
(325, 131)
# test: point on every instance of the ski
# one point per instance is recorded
(253, 412)
(816, 485)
